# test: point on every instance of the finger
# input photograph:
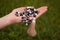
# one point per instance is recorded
(30, 6)
(41, 11)
(21, 9)
(31, 30)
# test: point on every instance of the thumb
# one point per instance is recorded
(41, 11)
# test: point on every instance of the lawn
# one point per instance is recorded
(47, 26)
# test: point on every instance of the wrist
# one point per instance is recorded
(4, 21)
(7, 19)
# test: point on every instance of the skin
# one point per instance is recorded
(31, 30)
(12, 18)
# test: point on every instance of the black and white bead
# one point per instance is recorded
(31, 12)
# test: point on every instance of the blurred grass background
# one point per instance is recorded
(48, 25)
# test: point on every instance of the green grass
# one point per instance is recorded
(48, 25)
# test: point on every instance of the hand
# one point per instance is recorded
(31, 30)
(41, 11)
(17, 19)
(14, 18)
(11, 18)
